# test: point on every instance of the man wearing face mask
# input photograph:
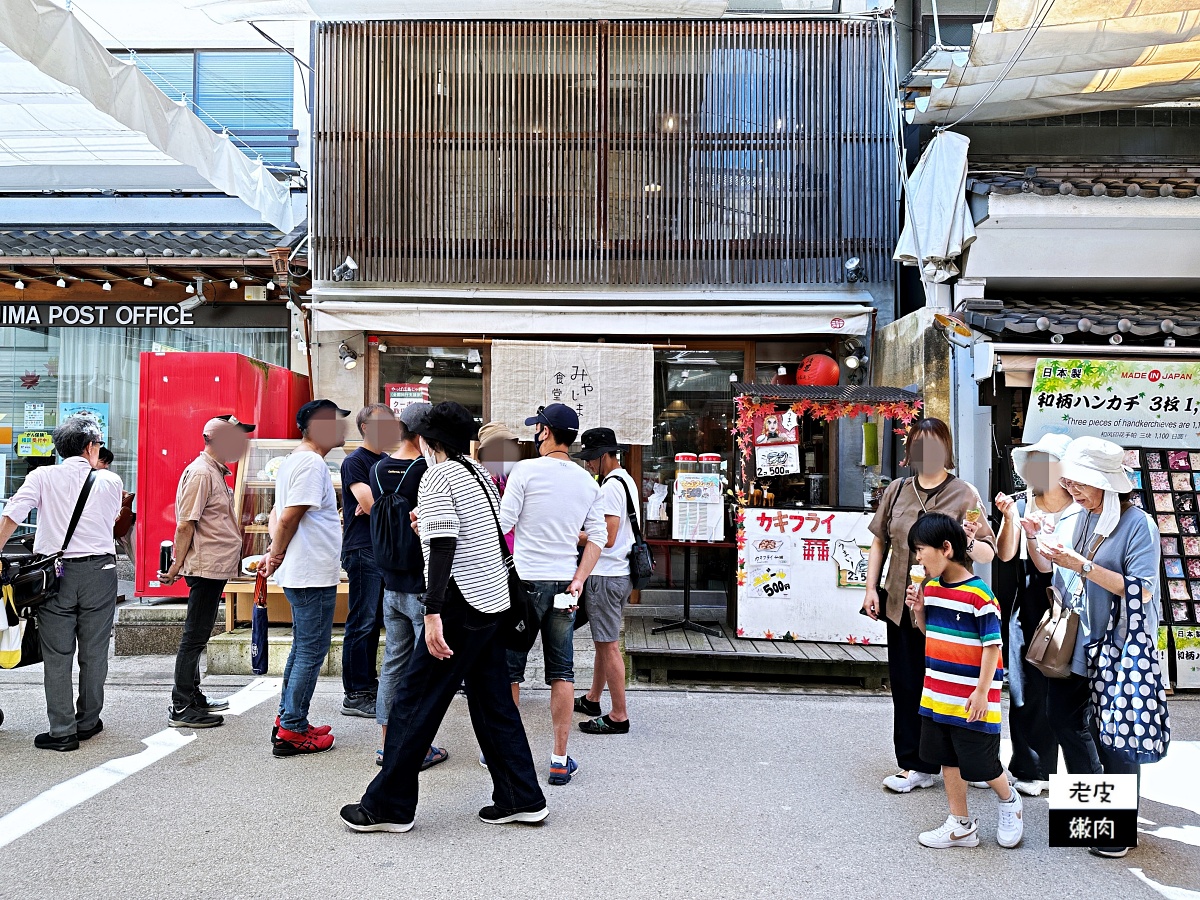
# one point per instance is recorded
(547, 502)
(305, 558)
(208, 552)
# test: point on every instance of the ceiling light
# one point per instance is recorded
(477, 369)
(148, 281)
(1058, 338)
(20, 285)
(782, 370)
(348, 357)
(270, 285)
(190, 289)
(428, 379)
(62, 282)
(106, 286)
(429, 363)
(233, 285)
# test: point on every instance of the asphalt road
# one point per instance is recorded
(713, 794)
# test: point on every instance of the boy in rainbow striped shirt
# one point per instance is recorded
(960, 705)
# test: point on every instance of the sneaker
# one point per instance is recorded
(1011, 825)
(208, 704)
(561, 774)
(1031, 788)
(586, 706)
(361, 705)
(494, 815)
(312, 729)
(356, 818)
(604, 725)
(907, 780)
(64, 744)
(1109, 852)
(86, 734)
(952, 834)
(191, 717)
(292, 743)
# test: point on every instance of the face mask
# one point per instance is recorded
(430, 456)
(538, 439)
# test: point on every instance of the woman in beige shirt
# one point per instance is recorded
(929, 452)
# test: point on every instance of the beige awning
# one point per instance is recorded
(1055, 57)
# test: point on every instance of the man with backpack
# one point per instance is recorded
(394, 483)
(608, 588)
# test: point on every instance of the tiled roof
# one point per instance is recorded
(1138, 318)
(150, 241)
(1085, 180)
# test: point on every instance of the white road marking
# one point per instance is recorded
(1172, 780)
(1184, 834)
(1171, 893)
(62, 797)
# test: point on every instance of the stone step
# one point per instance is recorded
(143, 630)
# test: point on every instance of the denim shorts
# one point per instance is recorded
(558, 635)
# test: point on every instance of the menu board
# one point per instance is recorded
(802, 576)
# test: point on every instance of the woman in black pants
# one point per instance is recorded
(467, 586)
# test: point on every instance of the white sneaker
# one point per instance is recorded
(1011, 824)
(482, 759)
(907, 780)
(1031, 788)
(952, 834)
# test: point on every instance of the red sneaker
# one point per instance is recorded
(292, 743)
(312, 729)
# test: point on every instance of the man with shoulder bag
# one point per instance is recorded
(77, 508)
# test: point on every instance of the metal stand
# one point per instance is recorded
(686, 623)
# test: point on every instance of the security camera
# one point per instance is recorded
(347, 271)
(194, 299)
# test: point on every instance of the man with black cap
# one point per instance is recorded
(547, 502)
(208, 552)
(305, 558)
(609, 586)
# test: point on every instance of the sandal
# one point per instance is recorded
(433, 757)
(604, 725)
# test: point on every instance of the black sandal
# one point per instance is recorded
(604, 725)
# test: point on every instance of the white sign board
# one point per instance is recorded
(802, 575)
(35, 415)
(698, 511)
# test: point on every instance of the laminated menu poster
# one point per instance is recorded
(698, 509)
(1134, 403)
(802, 576)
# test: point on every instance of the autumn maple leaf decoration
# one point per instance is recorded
(30, 380)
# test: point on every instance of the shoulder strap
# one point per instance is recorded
(487, 495)
(400, 484)
(630, 510)
(79, 504)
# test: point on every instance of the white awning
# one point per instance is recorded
(224, 11)
(1055, 57)
(938, 226)
(644, 320)
(66, 102)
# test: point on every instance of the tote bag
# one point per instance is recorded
(10, 633)
(1128, 697)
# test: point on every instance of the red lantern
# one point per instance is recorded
(818, 369)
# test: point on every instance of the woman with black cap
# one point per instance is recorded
(467, 591)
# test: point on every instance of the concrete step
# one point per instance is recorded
(142, 630)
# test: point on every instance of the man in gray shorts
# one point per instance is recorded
(608, 588)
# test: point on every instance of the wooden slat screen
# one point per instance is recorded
(734, 152)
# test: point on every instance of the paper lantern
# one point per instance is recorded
(818, 369)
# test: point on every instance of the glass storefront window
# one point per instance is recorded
(448, 373)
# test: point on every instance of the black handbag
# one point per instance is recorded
(34, 577)
(641, 558)
(519, 628)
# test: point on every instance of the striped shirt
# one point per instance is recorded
(452, 503)
(960, 620)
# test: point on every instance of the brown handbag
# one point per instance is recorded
(1052, 645)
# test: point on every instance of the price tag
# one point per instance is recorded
(776, 459)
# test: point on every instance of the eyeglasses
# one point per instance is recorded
(1070, 485)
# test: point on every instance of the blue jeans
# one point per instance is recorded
(404, 624)
(312, 627)
(364, 618)
(558, 635)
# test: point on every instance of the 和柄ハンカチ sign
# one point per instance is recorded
(1133, 403)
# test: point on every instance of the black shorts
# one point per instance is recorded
(975, 754)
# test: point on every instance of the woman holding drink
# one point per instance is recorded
(929, 452)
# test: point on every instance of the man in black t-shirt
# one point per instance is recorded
(403, 589)
(380, 432)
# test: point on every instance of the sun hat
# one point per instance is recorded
(596, 442)
(493, 433)
(1051, 444)
(450, 424)
(1097, 463)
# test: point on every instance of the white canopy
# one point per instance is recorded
(224, 11)
(66, 102)
(1055, 57)
(938, 225)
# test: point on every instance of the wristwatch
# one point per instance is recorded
(1086, 568)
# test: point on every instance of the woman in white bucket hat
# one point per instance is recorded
(1111, 563)
(1045, 508)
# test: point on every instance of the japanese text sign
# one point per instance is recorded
(1134, 403)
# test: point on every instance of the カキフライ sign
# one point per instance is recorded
(1134, 403)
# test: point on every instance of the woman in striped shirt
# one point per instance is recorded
(467, 592)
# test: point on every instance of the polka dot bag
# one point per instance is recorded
(1128, 697)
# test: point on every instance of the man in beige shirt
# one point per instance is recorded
(208, 552)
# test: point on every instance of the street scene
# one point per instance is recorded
(655, 448)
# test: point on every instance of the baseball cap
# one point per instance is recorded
(216, 423)
(412, 414)
(312, 407)
(556, 415)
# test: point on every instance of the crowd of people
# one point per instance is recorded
(428, 536)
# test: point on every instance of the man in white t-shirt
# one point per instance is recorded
(305, 558)
(609, 586)
(547, 502)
